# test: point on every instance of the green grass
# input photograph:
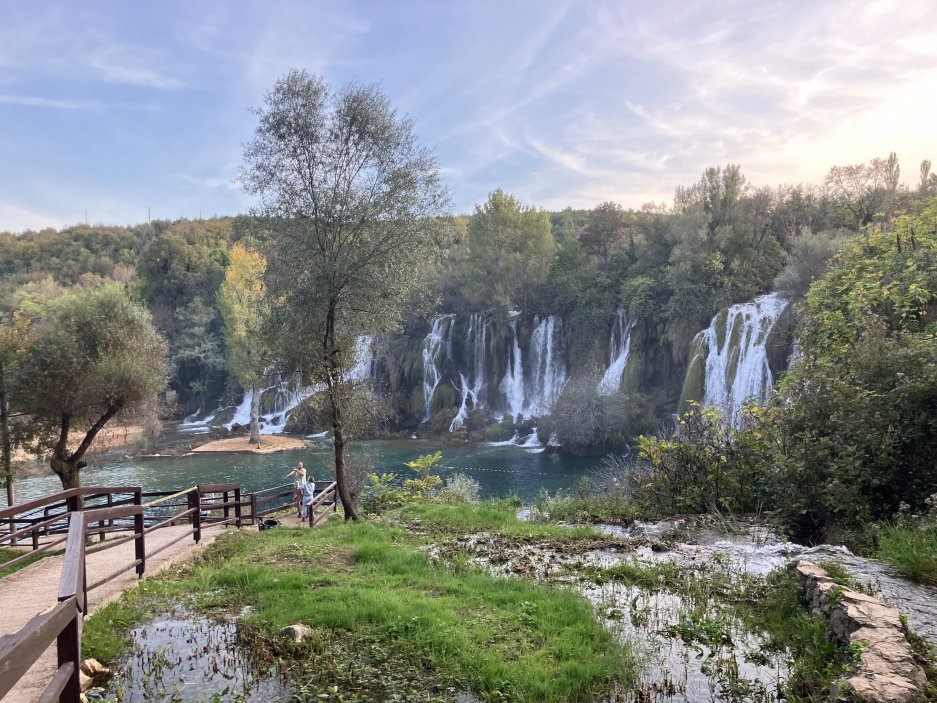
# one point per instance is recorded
(8, 554)
(779, 609)
(366, 588)
(912, 550)
(590, 507)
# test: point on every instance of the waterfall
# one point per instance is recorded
(288, 395)
(737, 360)
(618, 348)
(548, 373)
(512, 385)
(432, 373)
(474, 388)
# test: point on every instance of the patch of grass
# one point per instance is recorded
(105, 634)
(780, 610)
(912, 549)
(368, 590)
(589, 507)
(9, 554)
(927, 654)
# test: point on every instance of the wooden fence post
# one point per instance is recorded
(253, 497)
(139, 526)
(237, 506)
(197, 517)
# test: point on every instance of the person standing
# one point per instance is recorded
(298, 475)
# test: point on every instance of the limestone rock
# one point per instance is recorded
(888, 671)
(92, 668)
(298, 632)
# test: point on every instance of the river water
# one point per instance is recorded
(499, 469)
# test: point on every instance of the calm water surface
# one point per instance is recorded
(499, 469)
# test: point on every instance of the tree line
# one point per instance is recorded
(351, 234)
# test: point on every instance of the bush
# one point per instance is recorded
(708, 465)
(386, 491)
(461, 488)
(585, 421)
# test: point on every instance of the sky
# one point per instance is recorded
(113, 112)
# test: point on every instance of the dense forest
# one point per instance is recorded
(587, 329)
(659, 273)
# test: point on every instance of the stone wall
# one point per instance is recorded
(888, 670)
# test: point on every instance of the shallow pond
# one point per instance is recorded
(184, 658)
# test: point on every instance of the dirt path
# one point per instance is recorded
(35, 588)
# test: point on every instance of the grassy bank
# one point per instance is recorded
(912, 549)
(385, 615)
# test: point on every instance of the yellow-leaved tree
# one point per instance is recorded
(242, 299)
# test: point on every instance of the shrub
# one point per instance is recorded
(461, 488)
(708, 465)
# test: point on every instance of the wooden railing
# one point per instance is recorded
(270, 500)
(326, 498)
(85, 512)
(60, 624)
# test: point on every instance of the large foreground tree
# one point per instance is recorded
(94, 355)
(351, 202)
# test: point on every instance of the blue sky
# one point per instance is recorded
(116, 107)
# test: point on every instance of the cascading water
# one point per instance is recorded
(737, 359)
(474, 387)
(512, 385)
(288, 395)
(619, 347)
(548, 373)
(432, 372)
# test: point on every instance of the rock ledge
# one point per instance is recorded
(888, 670)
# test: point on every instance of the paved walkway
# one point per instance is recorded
(34, 589)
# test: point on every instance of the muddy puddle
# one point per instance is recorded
(685, 653)
(184, 658)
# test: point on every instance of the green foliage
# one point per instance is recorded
(510, 249)
(385, 491)
(779, 609)
(426, 484)
(586, 421)
(94, 354)
(709, 465)
(807, 260)
(196, 351)
(860, 414)
(910, 543)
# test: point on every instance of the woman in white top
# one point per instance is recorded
(299, 478)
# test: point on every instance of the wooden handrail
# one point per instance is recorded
(170, 497)
(63, 622)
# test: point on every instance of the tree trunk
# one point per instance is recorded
(68, 465)
(68, 471)
(334, 383)
(255, 415)
(7, 451)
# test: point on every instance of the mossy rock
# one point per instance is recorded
(694, 387)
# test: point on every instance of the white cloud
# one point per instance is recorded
(32, 101)
(119, 65)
